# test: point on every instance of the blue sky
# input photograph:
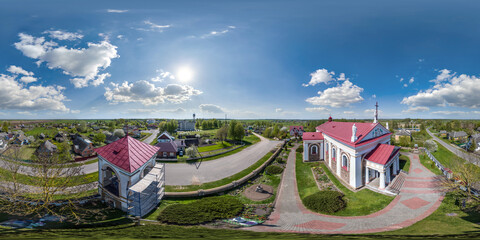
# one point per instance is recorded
(246, 59)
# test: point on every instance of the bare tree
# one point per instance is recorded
(34, 191)
(465, 178)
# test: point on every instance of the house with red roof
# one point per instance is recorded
(296, 131)
(357, 153)
(126, 168)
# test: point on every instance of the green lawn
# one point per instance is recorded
(219, 145)
(220, 182)
(36, 131)
(355, 200)
(440, 224)
(26, 152)
(428, 163)
(30, 180)
(404, 163)
(445, 157)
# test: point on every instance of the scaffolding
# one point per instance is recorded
(146, 194)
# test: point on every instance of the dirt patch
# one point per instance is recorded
(254, 195)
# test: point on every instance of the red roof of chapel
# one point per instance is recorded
(312, 136)
(382, 153)
(127, 153)
(342, 131)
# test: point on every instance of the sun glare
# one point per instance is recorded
(184, 74)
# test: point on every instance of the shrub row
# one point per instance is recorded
(300, 149)
(201, 211)
(273, 169)
(325, 201)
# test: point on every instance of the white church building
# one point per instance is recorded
(356, 153)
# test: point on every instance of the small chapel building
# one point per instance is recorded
(129, 177)
(356, 153)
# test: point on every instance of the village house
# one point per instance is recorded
(129, 177)
(296, 131)
(403, 133)
(442, 133)
(20, 140)
(46, 148)
(187, 125)
(3, 144)
(83, 147)
(459, 136)
(169, 147)
(357, 153)
(60, 137)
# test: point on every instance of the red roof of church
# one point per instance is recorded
(342, 131)
(312, 136)
(127, 153)
(382, 153)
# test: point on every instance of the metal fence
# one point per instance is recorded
(447, 172)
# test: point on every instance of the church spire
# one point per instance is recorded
(375, 120)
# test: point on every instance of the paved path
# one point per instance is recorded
(457, 150)
(419, 198)
(202, 172)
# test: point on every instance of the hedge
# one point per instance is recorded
(325, 201)
(273, 169)
(300, 149)
(201, 211)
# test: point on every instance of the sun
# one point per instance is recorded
(184, 74)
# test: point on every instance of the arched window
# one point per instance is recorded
(333, 152)
(313, 149)
(345, 162)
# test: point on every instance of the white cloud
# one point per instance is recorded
(26, 113)
(416, 109)
(405, 85)
(116, 11)
(120, 37)
(421, 60)
(14, 95)
(211, 108)
(401, 79)
(146, 93)
(218, 33)
(317, 109)
(450, 112)
(148, 110)
(340, 96)
(443, 76)
(411, 80)
(152, 27)
(28, 79)
(62, 35)
(19, 70)
(75, 111)
(278, 110)
(374, 96)
(162, 75)
(320, 76)
(349, 112)
(83, 64)
(451, 90)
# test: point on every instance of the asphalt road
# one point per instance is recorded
(202, 172)
(456, 150)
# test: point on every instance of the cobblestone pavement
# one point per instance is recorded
(419, 197)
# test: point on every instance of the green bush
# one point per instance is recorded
(273, 169)
(325, 201)
(201, 211)
(300, 149)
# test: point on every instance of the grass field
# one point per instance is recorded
(355, 200)
(26, 152)
(219, 145)
(33, 181)
(429, 164)
(220, 182)
(36, 131)
(446, 158)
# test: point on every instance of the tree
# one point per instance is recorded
(5, 126)
(52, 175)
(82, 127)
(239, 132)
(231, 128)
(473, 145)
(222, 133)
(191, 151)
(119, 133)
(99, 138)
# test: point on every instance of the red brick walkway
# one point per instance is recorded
(419, 197)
